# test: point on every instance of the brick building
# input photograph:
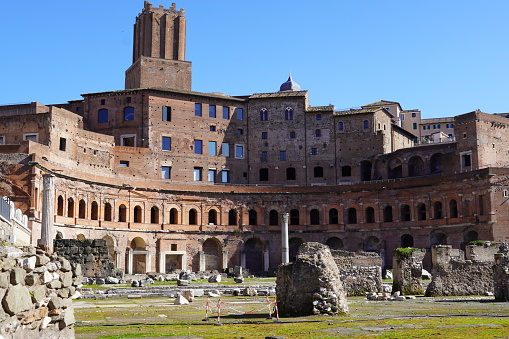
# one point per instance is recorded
(177, 179)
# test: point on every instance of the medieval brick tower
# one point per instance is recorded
(159, 50)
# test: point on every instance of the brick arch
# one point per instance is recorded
(212, 251)
(416, 166)
(395, 168)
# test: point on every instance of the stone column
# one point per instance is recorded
(243, 259)
(48, 213)
(266, 260)
(201, 267)
(225, 259)
(285, 248)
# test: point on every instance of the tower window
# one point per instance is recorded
(166, 113)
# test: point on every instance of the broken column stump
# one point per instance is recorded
(311, 284)
(407, 270)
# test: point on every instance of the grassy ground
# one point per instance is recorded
(244, 317)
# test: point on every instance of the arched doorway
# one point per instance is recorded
(334, 243)
(254, 255)
(212, 255)
(138, 256)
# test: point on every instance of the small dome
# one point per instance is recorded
(289, 85)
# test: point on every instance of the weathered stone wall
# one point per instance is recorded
(407, 271)
(311, 284)
(484, 252)
(92, 254)
(459, 277)
(36, 290)
(501, 274)
(360, 272)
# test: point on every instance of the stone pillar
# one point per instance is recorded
(117, 259)
(147, 262)
(501, 275)
(266, 260)
(243, 259)
(407, 270)
(201, 266)
(225, 259)
(129, 265)
(48, 213)
(285, 247)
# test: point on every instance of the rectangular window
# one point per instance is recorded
(225, 149)
(314, 151)
(128, 140)
(198, 147)
(212, 148)
(265, 156)
(226, 112)
(402, 117)
(212, 111)
(282, 155)
(2, 139)
(318, 117)
(449, 125)
(467, 160)
(166, 144)
(264, 174)
(63, 142)
(341, 126)
(166, 113)
(31, 137)
(264, 135)
(103, 101)
(414, 115)
(436, 126)
(197, 110)
(211, 175)
(239, 151)
(240, 131)
(425, 127)
(292, 134)
(240, 114)
(197, 173)
(318, 133)
(225, 176)
(128, 100)
(212, 128)
(124, 163)
(414, 125)
(166, 172)
(102, 115)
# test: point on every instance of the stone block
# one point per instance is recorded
(38, 293)
(55, 303)
(65, 264)
(180, 300)
(188, 294)
(17, 299)
(4, 280)
(17, 275)
(28, 264)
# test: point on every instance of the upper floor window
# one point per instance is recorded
(436, 126)
(282, 155)
(166, 144)
(265, 156)
(212, 111)
(31, 137)
(225, 176)
(414, 115)
(365, 124)
(2, 139)
(402, 117)
(212, 175)
(212, 148)
(240, 131)
(292, 135)
(166, 113)
(414, 125)
(239, 151)
(264, 135)
(212, 128)
(289, 113)
(225, 149)
(102, 115)
(128, 113)
(318, 133)
(226, 112)
(103, 101)
(198, 146)
(166, 172)
(318, 117)
(318, 172)
(291, 173)
(128, 140)
(341, 126)
(197, 173)
(314, 151)
(425, 127)
(197, 110)
(449, 125)
(240, 114)
(264, 114)
(128, 100)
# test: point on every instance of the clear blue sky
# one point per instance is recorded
(442, 57)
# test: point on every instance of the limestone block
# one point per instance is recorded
(38, 293)
(65, 264)
(47, 277)
(30, 279)
(68, 318)
(45, 322)
(249, 291)
(17, 299)
(54, 284)
(27, 263)
(180, 300)
(52, 266)
(199, 292)
(41, 260)
(55, 303)
(188, 294)
(8, 264)
(17, 275)
(66, 279)
(4, 280)
(64, 292)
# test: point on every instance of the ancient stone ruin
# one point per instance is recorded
(360, 272)
(454, 274)
(92, 254)
(501, 274)
(311, 284)
(36, 290)
(407, 270)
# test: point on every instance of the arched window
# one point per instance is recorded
(437, 210)
(333, 216)
(388, 214)
(346, 171)
(371, 244)
(415, 166)
(407, 241)
(174, 216)
(70, 208)
(273, 218)
(107, 211)
(128, 113)
(341, 126)
(102, 115)
(421, 211)
(137, 214)
(318, 172)
(232, 217)
(94, 213)
(122, 213)
(351, 214)
(314, 217)
(365, 124)
(334, 243)
(370, 215)
(212, 217)
(438, 238)
(253, 218)
(288, 113)
(290, 173)
(264, 114)
(154, 215)
(405, 212)
(294, 217)
(82, 208)
(436, 163)
(193, 218)
(60, 205)
(453, 208)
